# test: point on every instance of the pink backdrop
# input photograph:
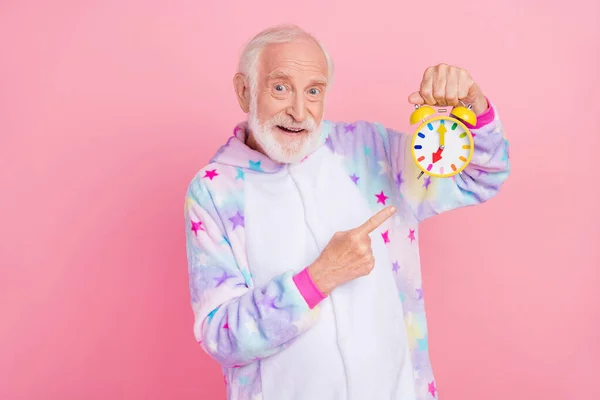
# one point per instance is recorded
(107, 110)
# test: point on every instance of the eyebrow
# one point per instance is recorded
(284, 75)
(279, 75)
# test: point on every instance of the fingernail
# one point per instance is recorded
(392, 210)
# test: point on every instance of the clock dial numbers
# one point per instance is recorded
(442, 147)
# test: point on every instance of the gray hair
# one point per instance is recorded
(248, 64)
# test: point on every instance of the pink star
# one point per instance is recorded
(197, 226)
(385, 236)
(432, 388)
(211, 174)
(226, 326)
(381, 198)
(411, 235)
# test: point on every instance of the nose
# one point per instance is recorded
(297, 109)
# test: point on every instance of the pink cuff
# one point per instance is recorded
(307, 288)
(484, 118)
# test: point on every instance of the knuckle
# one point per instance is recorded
(363, 248)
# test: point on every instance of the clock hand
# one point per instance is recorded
(437, 156)
(442, 130)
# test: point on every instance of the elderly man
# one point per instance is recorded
(302, 233)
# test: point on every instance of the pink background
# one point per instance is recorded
(107, 111)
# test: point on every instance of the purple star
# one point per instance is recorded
(350, 128)
(411, 235)
(268, 301)
(237, 220)
(197, 226)
(427, 182)
(354, 178)
(399, 179)
(419, 294)
(396, 266)
(221, 279)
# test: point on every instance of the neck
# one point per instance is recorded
(252, 143)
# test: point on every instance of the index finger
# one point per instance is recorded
(376, 220)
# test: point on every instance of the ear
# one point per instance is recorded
(242, 90)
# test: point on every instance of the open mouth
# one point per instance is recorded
(291, 130)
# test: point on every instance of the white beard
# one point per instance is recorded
(281, 148)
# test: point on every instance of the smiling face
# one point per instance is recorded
(286, 109)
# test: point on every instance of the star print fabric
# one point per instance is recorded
(239, 323)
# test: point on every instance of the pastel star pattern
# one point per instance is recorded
(354, 178)
(350, 128)
(427, 182)
(212, 346)
(251, 326)
(197, 226)
(210, 174)
(505, 154)
(399, 179)
(395, 266)
(237, 220)
(386, 237)
(202, 259)
(212, 314)
(247, 277)
(384, 167)
(240, 174)
(221, 279)
(411, 235)
(255, 166)
(381, 198)
(431, 388)
(268, 301)
(419, 293)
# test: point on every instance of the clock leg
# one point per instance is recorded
(420, 175)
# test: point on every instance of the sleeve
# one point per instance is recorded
(235, 322)
(478, 182)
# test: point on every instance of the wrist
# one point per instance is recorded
(480, 105)
(315, 272)
(308, 288)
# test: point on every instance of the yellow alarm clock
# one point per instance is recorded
(442, 146)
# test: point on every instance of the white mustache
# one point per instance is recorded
(287, 122)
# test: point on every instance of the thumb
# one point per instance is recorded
(415, 98)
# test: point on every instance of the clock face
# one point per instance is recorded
(442, 146)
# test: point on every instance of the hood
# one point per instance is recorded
(237, 154)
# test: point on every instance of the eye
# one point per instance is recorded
(314, 91)
(279, 88)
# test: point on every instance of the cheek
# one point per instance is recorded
(316, 109)
(267, 107)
